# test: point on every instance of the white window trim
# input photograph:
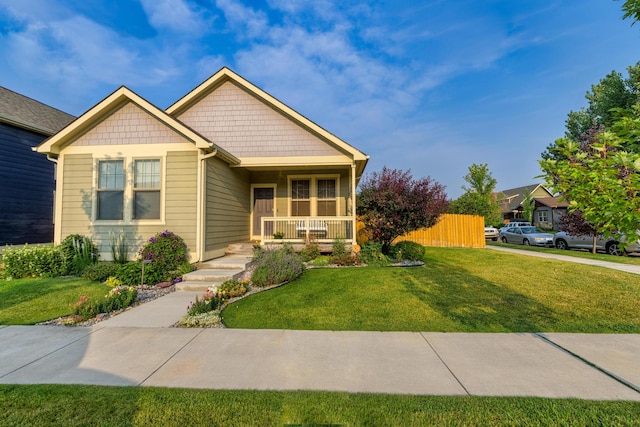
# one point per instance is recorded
(128, 167)
(313, 191)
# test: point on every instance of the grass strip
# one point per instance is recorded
(73, 405)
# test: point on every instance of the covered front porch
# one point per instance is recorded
(322, 229)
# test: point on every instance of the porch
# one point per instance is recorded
(300, 230)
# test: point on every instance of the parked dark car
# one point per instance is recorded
(564, 240)
(529, 236)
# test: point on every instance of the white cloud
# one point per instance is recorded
(177, 15)
(244, 21)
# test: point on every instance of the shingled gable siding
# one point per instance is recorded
(227, 207)
(129, 125)
(247, 127)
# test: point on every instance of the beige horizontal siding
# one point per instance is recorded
(227, 206)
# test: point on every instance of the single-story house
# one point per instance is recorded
(26, 178)
(227, 163)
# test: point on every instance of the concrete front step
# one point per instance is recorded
(202, 279)
(196, 285)
(232, 262)
(245, 249)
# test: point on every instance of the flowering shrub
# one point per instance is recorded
(276, 266)
(33, 261)
(166, 251)
(202, 320)
(118, 298)
(211, 300)
(310, 252)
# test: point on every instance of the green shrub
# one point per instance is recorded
(166, 251)
(407, 250)
(276, 266)
(310, 252)
(117, 299)
(233, 289)
(371, 254)
(100, 271)
(33, 261)
(119, 250)
(78, 251)
(131, 274)
(341, 256)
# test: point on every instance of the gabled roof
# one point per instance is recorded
(24, 112)
(225, 74)
(512, 198)
(110, 104)
(552, 202)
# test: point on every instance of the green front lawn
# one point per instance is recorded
(458, 290)
(64, 405)
(29, 301)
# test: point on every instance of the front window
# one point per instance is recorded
(300, 197)
(146, 189)
(326, 197)
(110, 194)
(543, 216)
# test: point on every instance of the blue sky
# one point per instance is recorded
(431, 86)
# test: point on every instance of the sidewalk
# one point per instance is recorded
(606, 366)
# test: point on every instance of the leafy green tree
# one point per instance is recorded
(528, 206)
(601, 179)
(631, 9)
(612, 93)
(391, 203)
(478, 198)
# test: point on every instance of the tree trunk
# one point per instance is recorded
(593, 247)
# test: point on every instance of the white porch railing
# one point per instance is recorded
(300, 229)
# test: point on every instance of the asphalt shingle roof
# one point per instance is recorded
(24, 112)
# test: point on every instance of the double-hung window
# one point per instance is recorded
(326, 189)
(146, 189)
(300, 197)
(543, 216)
(110, 194)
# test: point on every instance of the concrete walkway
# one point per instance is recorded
(139, 348)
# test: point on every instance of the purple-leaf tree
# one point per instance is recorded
(391, 203)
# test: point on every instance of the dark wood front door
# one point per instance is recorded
(262, 207)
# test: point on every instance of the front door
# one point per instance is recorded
(262, 207)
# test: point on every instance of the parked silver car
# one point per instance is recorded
(526, 236)
(564, 240)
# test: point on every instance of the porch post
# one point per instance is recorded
(353, 203)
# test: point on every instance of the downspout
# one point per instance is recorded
(353, 203)
(200, 205)
(56, 202)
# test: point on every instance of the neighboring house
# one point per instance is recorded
(26, 178)
(226, 163)
(511, 200)
(548, 212)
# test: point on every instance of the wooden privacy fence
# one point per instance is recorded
(465, 231)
